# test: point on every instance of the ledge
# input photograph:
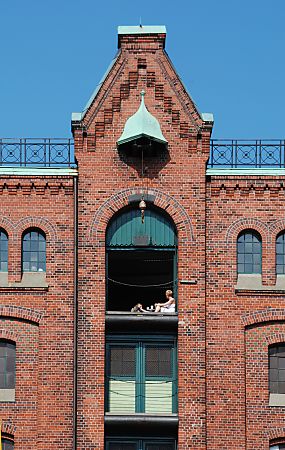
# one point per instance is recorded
(247, 171)
(7, 395)
(28, 171)
(29, 281)
(142, 423)
(277, 400)
(141, 321)
(253, 282)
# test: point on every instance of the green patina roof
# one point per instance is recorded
(142, 124)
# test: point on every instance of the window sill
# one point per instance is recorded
(29, 281)
(141, 321)
(141, 423)
(277, 400)
(7, 395)
(253, 282)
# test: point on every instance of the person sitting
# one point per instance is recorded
(138, 308)
(168, 306)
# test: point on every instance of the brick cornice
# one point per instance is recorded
(37, 185)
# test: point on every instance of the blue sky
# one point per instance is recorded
(230, 55)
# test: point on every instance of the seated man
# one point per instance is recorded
(168, 306)
(138, 308)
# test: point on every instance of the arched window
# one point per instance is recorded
(7, 365)
(141, 258)
(277, 368)
(280, 253)
(249, 252)
(34, 251)
(3, 251)
(7, 444)
(277, 447)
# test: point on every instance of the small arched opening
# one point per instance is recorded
(141, 258)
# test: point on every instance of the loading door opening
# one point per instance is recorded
(141, 261)
(139, 276)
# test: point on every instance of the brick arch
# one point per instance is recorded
(275, 338)
(121, 199)
(266, 315)
(19, 312)
(9, 335)
(7, 225)
(276, 433)
(245, 224)
(276, 227)
(38, 222)
(8, 428)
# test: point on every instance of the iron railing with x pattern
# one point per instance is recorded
(241, 154)
(44, 152)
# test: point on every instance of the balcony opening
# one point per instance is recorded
(139, 277)
(141, 260)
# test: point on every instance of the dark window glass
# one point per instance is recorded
(3, 251)
(122, 361)
(162, 446)
(158, 361)
(249, 252)
(7, 444)
(140, 444)
(280, 254)
(7, 365)
(122, 446)
(34, 251)
(277, 369)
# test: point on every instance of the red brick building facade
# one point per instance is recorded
(78, 250)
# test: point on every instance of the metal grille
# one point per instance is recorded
(43, 152)
(249, 252)
(122, 361)
(246, 153)
(158, 362)
(280, 254)
(3, 251)
(7, 365)
(34, 251)
(277, 369)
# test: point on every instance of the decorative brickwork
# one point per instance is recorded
(21, 313)
(223, 332)
(161, 200)
(246, 224)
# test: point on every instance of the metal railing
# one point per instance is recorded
(224, 153)
(246, 154)
(43, 152)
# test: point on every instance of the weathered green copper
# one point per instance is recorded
(142, 29)
(142, 124)
(127, 230)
